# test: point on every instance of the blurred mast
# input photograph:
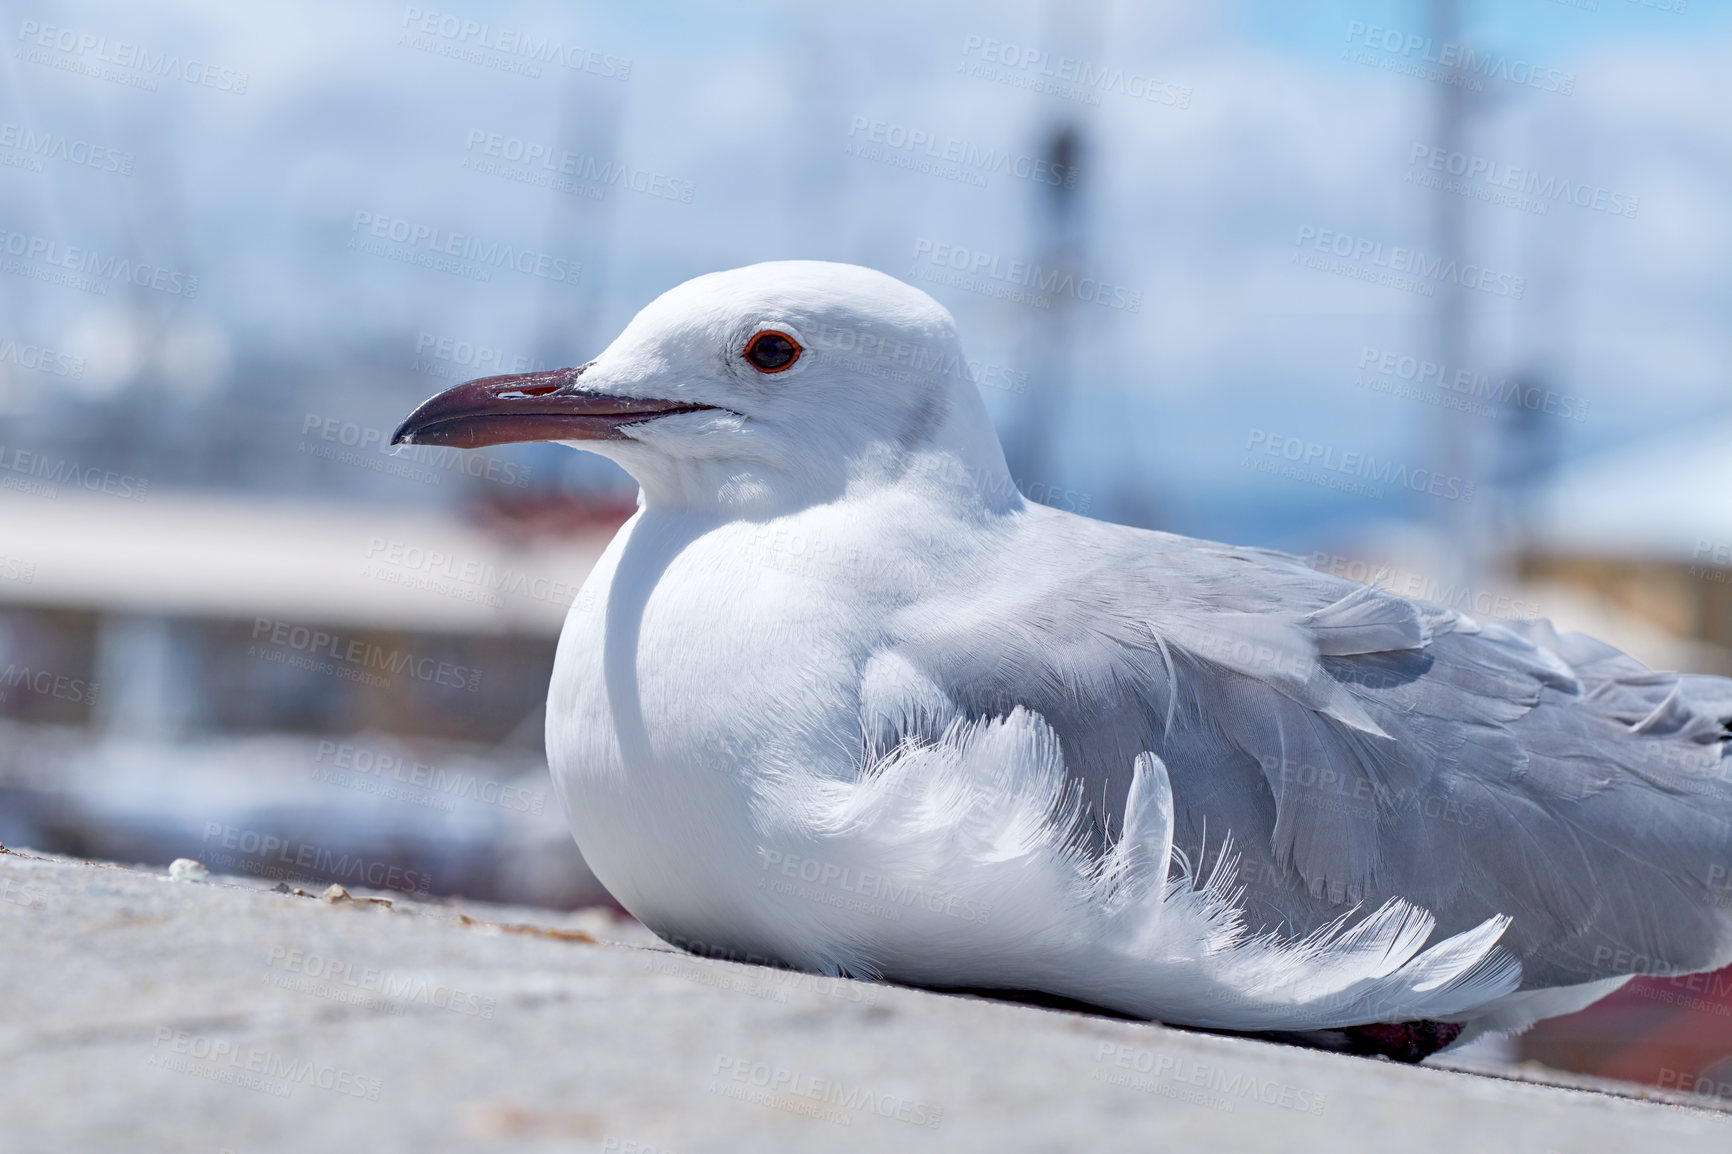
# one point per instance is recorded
(587, 126)
(569, 326)
(1451, 447)
(1508, 461)
(1072, 28)
(1049, 336)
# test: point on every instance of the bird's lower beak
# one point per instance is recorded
(543, 406)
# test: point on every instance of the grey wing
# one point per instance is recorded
(1356, 745)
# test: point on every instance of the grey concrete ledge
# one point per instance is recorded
(141, 1014)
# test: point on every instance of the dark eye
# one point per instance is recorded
(771, 352)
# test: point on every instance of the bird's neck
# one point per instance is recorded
(965, 476)
(723, 490)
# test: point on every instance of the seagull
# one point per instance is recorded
(837, 697)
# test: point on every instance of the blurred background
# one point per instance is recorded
(1431, 293)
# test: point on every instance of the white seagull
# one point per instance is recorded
(837, 697)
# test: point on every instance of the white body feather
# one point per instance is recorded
(716, 787)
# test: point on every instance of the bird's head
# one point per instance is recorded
(758, 389)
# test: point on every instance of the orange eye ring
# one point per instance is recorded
(772, 352)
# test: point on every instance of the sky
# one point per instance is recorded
(1261, 141)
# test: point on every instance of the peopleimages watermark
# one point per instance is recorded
(1704, 766)
(502, 48)
(1067, 77)
(392, 991)
(457, 253)
(1252, 654)
(1021, 282)
(948, 157)
(1450, 62)
(369, 447)
(704, 949)
(1686, 992)
(1463, 390)
(267, 855)
(85, 269)
(122, 62)
(39, 475)
(28, 148)
(1620, 959)
(371, 770)
(827, 883)
(352, 658)
(1203, 1084)
(1674, 7)
(1265, 872)
(1670, 1079)
(24, 895)
(437, 571)
(1720, 881)
(41, 358)
(787, 550)
(453, 358)
(1408, 269)
(947, 470)
(562, 170)
(1498, 183)
(253, 1067)
(1460, 597)
(771, 983)
(889, 356)
(1714, 552)
(1354, 795)
(827, 1099)
(1718, 554)
(45, 682)
(614, 1144)
(1348, 471)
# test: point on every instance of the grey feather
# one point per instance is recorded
(1358, 746)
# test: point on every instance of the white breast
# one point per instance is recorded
(698, 660)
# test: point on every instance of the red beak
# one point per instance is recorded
(544, 406)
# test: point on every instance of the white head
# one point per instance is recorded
(755, 390)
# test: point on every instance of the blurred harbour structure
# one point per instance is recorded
(355, 679)
(1605, 527)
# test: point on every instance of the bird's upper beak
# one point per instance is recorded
(543, 406)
